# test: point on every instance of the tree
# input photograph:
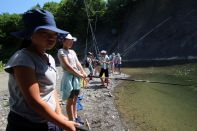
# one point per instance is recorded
(8, 23)
(37, 6)
(51, 6)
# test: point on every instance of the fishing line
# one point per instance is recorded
(146, 81)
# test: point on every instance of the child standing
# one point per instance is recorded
(112, 62)
(73, 71)
(118, 63)
(104, 61)
(89, 60)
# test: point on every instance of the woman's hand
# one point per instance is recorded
(85, 75)
(70, 126)
(80, 75)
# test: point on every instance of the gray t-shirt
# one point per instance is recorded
(46, 77)
(104, 59)
(70, 54)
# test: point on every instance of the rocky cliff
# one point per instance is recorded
(154, 29)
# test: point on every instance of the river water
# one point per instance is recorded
(159, 107)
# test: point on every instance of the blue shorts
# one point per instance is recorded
(69, 83)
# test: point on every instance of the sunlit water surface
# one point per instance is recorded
(159, 107)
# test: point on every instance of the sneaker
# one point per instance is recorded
(79, 120)
(82, 128)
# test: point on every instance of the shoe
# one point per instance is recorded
(102, 85)
(79, 120)
(81, 128)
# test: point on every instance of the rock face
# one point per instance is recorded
(155, 29)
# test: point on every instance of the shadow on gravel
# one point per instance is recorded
(95, 82)
(96, 87)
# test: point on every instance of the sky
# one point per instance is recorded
(20, 6)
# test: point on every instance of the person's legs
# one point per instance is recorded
(100, 75)
(75, 106)
(95, 70)
(119, 65)
(106, 76)
(113, 68)
(69, 109)
(77, 118)
(91, 71)
(71, 106)
(116, 68)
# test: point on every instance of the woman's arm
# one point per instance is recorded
(69, 67)
(29, 88)
(58, 109)
(79, 66)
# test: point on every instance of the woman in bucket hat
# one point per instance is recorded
(32, 78)
(73, 72)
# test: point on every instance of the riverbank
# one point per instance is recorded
(98, 104)
(99, 107)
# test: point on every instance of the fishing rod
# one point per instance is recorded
(146, 81)
(81, 128)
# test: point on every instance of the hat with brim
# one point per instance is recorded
(35, 20)
(90, 53)
(103, 52)
(62, 37)
(70, 37)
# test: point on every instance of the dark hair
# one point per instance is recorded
(25, 43)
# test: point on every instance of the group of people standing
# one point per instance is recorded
(34, 102)
(116, 62)
(103, 65)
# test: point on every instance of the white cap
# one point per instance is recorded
(103, 52)
(69, 36)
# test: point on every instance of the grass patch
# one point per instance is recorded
(2, 65)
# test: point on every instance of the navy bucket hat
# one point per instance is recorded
(37, 19)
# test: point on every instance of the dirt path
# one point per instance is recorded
(3, 81)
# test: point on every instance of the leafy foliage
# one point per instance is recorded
(37, 6)
(8, 23)
(51, 6)
(1, 66)
(71, 15)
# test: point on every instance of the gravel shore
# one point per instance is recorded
(98, 104)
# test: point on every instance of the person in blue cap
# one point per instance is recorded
(73, 72)
(34, 105)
